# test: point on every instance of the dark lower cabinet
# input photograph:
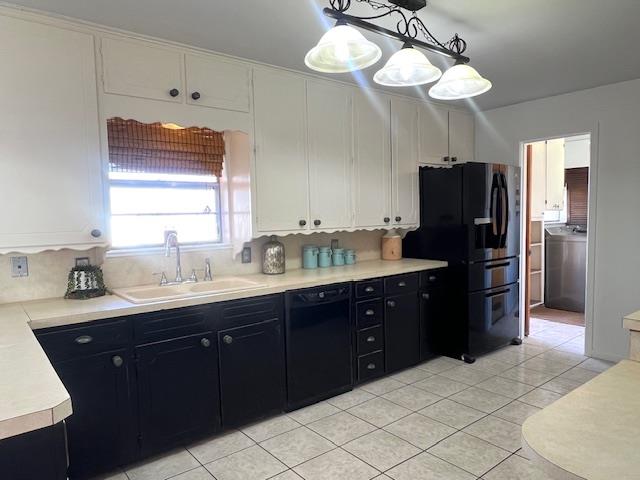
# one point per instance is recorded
(251, 372)
(402, 331)
(101, 430)
(178, 391)
(37, 455)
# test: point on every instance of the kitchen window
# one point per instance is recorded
(164, 177)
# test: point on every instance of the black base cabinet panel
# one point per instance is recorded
(37, 455)
(436, 313)
(402, 331)
(251, 359)
(177, 391)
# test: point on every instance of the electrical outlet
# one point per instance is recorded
(82, 262)
(246, 255)
(19, 267)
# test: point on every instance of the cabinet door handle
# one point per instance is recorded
(228, 339)
(370, 313)
(387, 219)
(398, 219)
(117, 361)
(302, 223)
(369, 289)
(205, 342)
(371, 339)
(391, 303)
(432, 278)
(317, 222)
(446, 159)
(454, 159)
(84, 339)
(402, 284)
(96, 233)
(174, 92)
(426, 296)
(195, 95)
(371, 366)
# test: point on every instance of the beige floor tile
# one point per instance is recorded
(525, 375)
(350, 399)
(506, 387)
(596, 365)
(252, 463)
(580, 375)
(439, 364)
(336, 465)
(490, 365)
(428, 467)
(382, 477)
(411, 375)
(551, 367)
(381, 449)
(568, 358)
(560, 385)
(540, 398)
(440, 385)
(412, 398)
(452, 413)
(297, 446)
(341, 427)
(516, 412)
(163, 467)
(469, 453)
(466, 374)
(512, 355)
(209, 450)
(265, 429)
(516, 468)
(382, 386)
(313, 412)
(498, 432)
(199, 473)
(288, 475)
(421, 431)
(480, 399)
(379, 412)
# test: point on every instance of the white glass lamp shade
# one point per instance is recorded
(342, 49)
(407, 67)
(460, 81)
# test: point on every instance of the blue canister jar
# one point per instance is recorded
(350, 257)
(338, 257)
(310, 256)
(324, 257)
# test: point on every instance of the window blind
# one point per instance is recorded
(577, 180)
(136, 147)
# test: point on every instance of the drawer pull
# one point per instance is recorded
(432, 278)
(371, 339)
(228, 339)
(117, 361)
(84, 339)
(369, 289)
(402, 284)
(426, 296)
(391, 303)
(371, 366)
(370, 313)
(205, 342)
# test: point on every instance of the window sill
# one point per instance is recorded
(140, 251)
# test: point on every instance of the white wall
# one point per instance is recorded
(612, 114)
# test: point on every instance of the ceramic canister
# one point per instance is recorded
(310, 256)
(324, 257)
(338, 257)
(349, 257)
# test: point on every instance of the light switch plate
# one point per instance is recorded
(246, 255)
(19, 267)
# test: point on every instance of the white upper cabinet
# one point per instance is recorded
(372, 160)
(212, 82)
(433, 133)
(329, 120)
(140, 69)
(404, 162)
(461, 136)
(281, 169)
(50, 151)
(555, 174)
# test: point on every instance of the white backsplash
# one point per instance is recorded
(48, 270)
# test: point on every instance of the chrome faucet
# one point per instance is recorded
(171, 240)
(207, 270)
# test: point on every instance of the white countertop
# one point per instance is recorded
(632, 321)
(31, 394)
(592, 433)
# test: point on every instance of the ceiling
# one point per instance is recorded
(528, 48)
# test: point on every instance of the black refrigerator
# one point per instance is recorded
(470, 217)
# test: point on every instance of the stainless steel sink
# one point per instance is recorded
(155, 293)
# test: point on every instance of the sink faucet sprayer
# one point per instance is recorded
(171, 240)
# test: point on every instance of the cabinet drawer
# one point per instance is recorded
(370, 340)
(370, 366)
(369, 288)
(169, 324)
(67, 343)
(236, 313)
(433, 278)
(401, 283)
(369, 313)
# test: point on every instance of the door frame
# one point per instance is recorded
(589, 311)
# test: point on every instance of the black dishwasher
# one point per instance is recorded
(318, 344)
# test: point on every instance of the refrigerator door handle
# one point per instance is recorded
(494, 208)
(505, 212)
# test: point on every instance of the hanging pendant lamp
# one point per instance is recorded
(407, 67)
(460, 81)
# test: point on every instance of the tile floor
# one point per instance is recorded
(441, 420)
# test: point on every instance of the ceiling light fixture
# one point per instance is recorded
(345, 49)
